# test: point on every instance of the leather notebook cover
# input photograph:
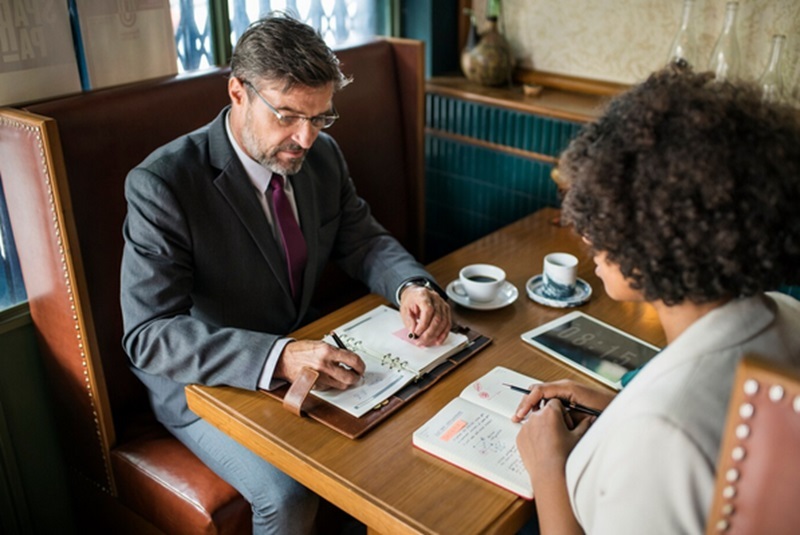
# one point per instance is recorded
(353, 427)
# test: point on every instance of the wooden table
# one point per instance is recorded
(380, 478)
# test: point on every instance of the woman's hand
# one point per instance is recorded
(547, 437)
(568, 392)
(544, 443)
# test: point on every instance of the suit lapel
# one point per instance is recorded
(233, 184)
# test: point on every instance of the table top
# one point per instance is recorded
(381, 479)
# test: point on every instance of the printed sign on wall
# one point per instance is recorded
(37, 57)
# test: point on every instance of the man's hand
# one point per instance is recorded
(425, 314)
(338, 368)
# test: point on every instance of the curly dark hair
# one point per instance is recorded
(281, 48)
(692, 186)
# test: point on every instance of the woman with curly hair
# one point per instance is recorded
(688, 193)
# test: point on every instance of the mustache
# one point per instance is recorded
(290, 147)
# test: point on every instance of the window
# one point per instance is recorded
(12, 290)
(338, 21)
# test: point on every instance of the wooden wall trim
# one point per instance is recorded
(492, 146)
(569, 83)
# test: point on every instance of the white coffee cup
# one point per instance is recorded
(480, 282)
(560, 272)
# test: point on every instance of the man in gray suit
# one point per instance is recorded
(216, 270)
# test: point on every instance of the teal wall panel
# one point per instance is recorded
(472, 190)
(515, 129)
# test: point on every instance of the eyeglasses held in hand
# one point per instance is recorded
(320, 122)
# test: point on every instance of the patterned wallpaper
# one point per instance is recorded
(624, 40)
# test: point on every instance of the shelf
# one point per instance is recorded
(550, 102)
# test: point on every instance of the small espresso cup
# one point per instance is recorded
(559, 275)
(480, 282)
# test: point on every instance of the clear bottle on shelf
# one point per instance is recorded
(684, 46)
(725, 57)
(771, 81)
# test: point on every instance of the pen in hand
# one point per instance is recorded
(568, 405)
(341, 345)
(338, 340)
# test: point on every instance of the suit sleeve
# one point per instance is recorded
(161, 335)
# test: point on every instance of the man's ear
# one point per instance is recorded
(237, 91)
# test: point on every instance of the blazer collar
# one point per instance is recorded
(731, 324)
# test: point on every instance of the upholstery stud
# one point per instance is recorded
(776, 393)
(746, 410)
(751, 387)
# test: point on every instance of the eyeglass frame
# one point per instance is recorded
(293, 119)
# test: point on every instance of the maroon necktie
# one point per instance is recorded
(294, 245)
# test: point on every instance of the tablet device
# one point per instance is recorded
(593, 347)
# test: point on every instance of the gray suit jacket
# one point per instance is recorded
(205, 291)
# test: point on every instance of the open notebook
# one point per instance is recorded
(397, 370)
(474, 431)
(392, 359)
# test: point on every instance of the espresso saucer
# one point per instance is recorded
(507, 294)
(583, 291)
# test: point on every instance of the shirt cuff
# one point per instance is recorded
(265, 381)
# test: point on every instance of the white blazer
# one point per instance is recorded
(647, 465)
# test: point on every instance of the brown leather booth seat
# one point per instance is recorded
(63, 164)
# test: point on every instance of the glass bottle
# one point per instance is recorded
(771, 81)
(683, 46)
(725, 57)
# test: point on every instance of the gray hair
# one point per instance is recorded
(280, 48)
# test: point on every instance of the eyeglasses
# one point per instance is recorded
(320, 122)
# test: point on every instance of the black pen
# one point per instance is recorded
(338, 340)
(341, 345)
(568, 405)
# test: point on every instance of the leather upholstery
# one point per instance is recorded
(758, 475)
(63, 174)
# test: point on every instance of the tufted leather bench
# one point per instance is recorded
(63, 163)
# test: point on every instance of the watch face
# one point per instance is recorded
(605, 352)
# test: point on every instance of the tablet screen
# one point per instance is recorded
(588, 344)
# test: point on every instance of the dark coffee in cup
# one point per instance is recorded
(480, 282)
(481, 278)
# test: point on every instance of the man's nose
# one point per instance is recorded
(305, 134)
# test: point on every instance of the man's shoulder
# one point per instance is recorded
(194, 156)
(187, 149)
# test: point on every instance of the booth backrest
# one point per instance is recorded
(95, 138)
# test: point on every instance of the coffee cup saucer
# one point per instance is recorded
(507, 294)
(583, 291)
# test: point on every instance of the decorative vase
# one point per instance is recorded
(487, 62)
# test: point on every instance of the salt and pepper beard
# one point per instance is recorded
(269, 160)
